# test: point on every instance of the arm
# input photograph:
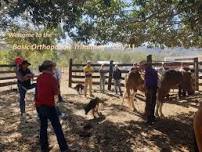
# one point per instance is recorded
(145, 78)
(30, 75)
(120, 74)
(113, 73)
(20, 77)
(54, 84)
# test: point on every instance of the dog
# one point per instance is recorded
(79, 88)
(93, 106)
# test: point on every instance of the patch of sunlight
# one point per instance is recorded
(13, 137)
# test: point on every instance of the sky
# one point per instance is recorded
(68, 40)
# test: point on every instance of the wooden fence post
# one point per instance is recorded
(149, 59)
(110, 75)
(196, 74)
(70, 73)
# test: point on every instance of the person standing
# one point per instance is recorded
(88, 71)
(24, 76)
(151, 84)
(46, 90)
(117, 79)
(57, 75)
(102, 78)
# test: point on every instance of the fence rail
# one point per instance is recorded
(7, 71)
(8, 77)
(7, 65)
(3, 84)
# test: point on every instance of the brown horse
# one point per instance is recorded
(133, 82)
(173, 79)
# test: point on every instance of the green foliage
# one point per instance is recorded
(162, 23)
(168, 23)
(3, 57)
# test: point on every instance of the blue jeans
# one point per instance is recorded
(150, 103)
(50, 113)
(22, 91)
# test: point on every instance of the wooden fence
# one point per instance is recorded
(76, 74)
(7, 75)
(8, 79)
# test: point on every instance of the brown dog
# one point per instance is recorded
(79, 88)
(93, 106)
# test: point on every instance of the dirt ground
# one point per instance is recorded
(120, 130)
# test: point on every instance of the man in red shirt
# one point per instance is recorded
(46, 90)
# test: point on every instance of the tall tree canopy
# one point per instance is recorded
(163, 23)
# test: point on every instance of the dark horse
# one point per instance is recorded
(173, 79)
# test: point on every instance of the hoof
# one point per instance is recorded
(162, 116)
(134, 110)
(157, 114)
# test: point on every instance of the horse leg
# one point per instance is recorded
(129, 97)
(158, 103)
(93, 112)
(132, 101)
(160, 109)
(157, 108)
(123, 97)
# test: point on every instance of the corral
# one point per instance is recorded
(120, 130)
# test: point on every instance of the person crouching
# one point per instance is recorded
(46, 90)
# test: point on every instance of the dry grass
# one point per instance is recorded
(119, 131)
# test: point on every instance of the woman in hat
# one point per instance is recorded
(88, 71)
(46, 90)
(24, 76)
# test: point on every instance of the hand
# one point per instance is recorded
(30, 76)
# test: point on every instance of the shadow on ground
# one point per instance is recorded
(106, 135)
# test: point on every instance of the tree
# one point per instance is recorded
(162, 23)
(170, 22)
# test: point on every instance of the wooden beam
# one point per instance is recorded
(8, 83)
(7, 78)
(196, 74)
(8, 71)
(82, 76)
(70, 72)
(7, 65)
(94, 83)
(110, 75)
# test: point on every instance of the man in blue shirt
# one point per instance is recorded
(151, 83)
